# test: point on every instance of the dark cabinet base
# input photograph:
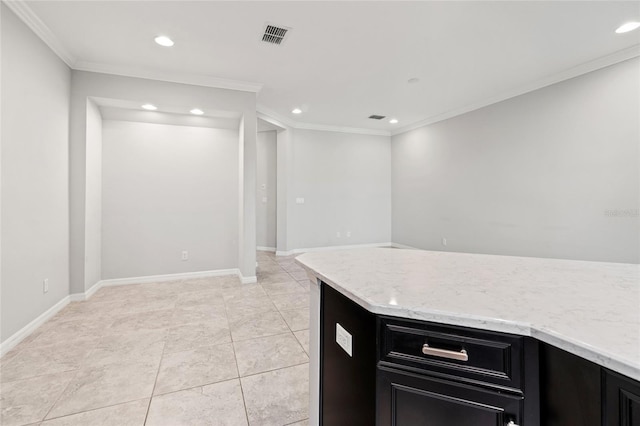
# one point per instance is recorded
(622, 401)
(347, 383)
(570, 389)
(406, 399)
(504, 378)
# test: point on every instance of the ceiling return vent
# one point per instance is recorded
(274, 34)
(376, 117)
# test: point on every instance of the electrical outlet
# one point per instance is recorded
(348, 234)
(338, 234)
(444, 241)
(344, 339)
(45, 285)
(185, 255)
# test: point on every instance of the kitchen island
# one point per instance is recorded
(588, 310)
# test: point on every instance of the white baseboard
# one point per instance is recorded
(270, 249)
(403, 246)
(168, 277)
(311, 249)
(247, 280)
(79, 297)
(19, 336)
(25, 331)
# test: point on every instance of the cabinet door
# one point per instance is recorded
(406, 399)
(622, 403)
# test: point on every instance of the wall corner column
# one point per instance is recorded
(247, 187)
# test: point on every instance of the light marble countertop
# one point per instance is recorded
(591, 309)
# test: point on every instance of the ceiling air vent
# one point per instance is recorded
(274, 34)
(376, 117)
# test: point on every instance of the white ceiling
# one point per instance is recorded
(344, 61)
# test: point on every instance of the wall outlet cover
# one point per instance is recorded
(344, 339)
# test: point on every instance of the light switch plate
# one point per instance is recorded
(299, 200)
(344, 339)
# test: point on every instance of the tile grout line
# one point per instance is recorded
(77, 372)
(60, 395)
(155, 382)
(92, 409)
(293, 332)
(293, 423)
(275, 369)
(235, 358)
(110, 329)
(290, 330)
(215, 383)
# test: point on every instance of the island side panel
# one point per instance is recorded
(314, 351)
(347, 376)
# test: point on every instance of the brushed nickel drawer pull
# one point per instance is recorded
(443, 353)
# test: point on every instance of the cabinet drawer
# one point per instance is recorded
(467, 355)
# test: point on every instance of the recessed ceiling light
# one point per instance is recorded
(296, 111)
(393, 121)
(413, 80)
(164, 41)
(196, 111)
(629, 26)
(149, 107)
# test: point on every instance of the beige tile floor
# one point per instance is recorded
(207, 351)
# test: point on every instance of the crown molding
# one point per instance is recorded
(272, 121)
(342, 129)
(273, 117)
(29, 17)
(174, 77)
(596, 64)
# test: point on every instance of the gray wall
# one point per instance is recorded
(345, 180)
(267, 170)
(35, 214)
(93, 212)
(534, 175)
(167, 189)
(96, 85)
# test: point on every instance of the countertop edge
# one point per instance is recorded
(578, 348)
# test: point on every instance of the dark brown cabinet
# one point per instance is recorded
(410, 399)
(571, 387)
(622, 400)
(404, 372)
(439, 375)
(347, 382)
